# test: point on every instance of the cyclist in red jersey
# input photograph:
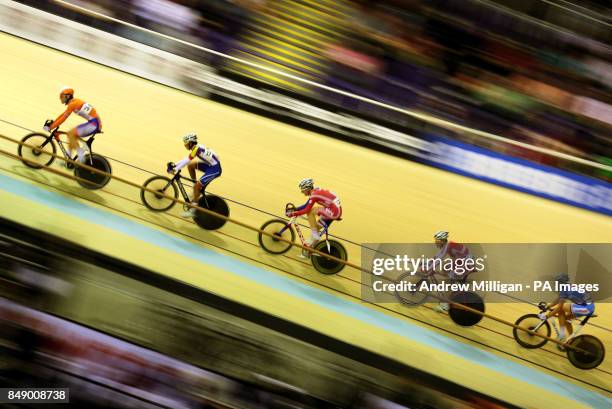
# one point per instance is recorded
(450, 249)
(321, 202)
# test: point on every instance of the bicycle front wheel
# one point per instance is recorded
(526, 339)
(162, 186)
(40, 151)
(273, 244)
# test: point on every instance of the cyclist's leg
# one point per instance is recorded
(580, 311)
(312, 216)
(444, 306)
(568, 315)
(314, 226)
(559, 311)
(197, 187)
(324, 223)
(191, 167)
(73, 141)
(210, 174)
(81, 131)
(326, 217)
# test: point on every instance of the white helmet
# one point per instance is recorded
(441, 235)
(306, 184)
(190, 137)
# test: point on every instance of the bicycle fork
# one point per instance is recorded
(569, 337)
(63, 149)
(578, 328)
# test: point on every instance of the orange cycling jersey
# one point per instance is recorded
(79, 107)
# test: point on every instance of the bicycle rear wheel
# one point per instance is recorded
(90, 179)
(527, 340)
(38, 155)
(592, 352)
(462, 316)
(273, 245)
(325, 265)
(214, 204)
(158, 202)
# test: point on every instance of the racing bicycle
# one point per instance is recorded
(158, 202)
(583, 351)
(287, 230)
(42, 147)
(417, 295)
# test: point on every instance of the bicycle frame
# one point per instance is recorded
(290, 223)
(293, 222)
(431, 277)
(178, 179)
(575, 333)
(55, 135)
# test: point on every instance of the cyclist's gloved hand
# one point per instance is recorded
(288, 213)
(47, 126)
(542, 316)
(170, 168)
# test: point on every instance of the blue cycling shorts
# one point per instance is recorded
(210, 172)
(583, 310)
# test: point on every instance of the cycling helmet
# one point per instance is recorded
(441, 235)
(306, 184)
(562, 278)
(66, 91)
(190, 137)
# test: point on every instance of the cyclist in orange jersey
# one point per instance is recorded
(83, 109)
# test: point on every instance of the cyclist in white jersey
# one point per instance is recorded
(450, 249)
(203, 159)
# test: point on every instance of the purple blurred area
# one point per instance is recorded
(531, 71)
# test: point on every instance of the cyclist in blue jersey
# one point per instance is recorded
(569, 305)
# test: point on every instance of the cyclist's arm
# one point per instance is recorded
(303, 209)
(60, 119)
(552, 306)
(182, 163)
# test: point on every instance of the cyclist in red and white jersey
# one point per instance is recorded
(450, 249)
(321, 202)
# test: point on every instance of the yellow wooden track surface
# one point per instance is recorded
(385, 199)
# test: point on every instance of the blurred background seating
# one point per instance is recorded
(534, 71)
